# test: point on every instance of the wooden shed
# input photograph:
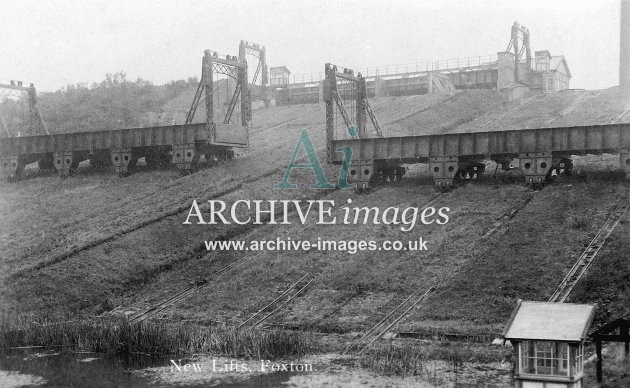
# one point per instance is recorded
(548, 340)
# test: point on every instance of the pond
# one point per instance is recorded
(51, 368)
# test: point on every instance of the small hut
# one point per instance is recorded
(279, 75)
(548, 340)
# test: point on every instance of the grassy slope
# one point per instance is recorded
(478, 284)
(43, 218)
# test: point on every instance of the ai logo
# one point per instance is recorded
(315, 165)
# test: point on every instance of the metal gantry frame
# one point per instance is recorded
(254, 49)
(540, 152)
(37, 125)
(261, 74)
(161, 146)
(333, 98)
(233, 67)
(361, 171)
(519, 42)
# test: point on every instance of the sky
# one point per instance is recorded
(55, 43)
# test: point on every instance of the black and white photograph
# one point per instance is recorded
(317, 193)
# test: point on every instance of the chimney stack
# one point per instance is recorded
(624, 47)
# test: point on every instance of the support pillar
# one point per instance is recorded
(122, 159)
(10, 167)
(625, 331)
(443, 169)
(598, 348)
(64, 162)
(535, 166)
(361, 173)
(379, 87)
(624, 162)
(185, 156)
(320, 92)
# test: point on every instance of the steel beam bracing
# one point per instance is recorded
(234, 68)
(578, 140)
(373, 118)
(520, 34)
(259, 52)
(232, 106)
(195, 103)
(342, 110)
(37, 124)
(255, 77)
(180, 145)
(359, 94)
(4, 126)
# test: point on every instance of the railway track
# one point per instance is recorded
(391, 319)
(121, 233)
(277, 304)
(153, 310)
(430, 202)
(587, 257)
(507, 215)
(267, 311)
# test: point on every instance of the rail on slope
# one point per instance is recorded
(507, 215)
(587, 257)
(391, 319)
(153, 310)
(277, 304)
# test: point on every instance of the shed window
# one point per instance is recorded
(544, 358)
(579, 357)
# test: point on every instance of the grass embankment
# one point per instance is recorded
(119, 338)
(532, 256)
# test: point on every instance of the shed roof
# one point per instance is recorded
(279, 69)
(555, 62)
(550, 321)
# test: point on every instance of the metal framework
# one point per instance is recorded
(181, 145)
(519, 42)
(37, 126)
(357, 125)
(259, 83)
(236, 69)
(539, 151)
(333, 99)
(254, 49)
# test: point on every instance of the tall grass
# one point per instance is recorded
(123, 339)
(413, 360)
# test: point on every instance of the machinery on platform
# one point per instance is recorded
(181, 145)
(519, 42)
(228, 131)
(540, 152)
(347, 93)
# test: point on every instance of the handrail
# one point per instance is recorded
(405, 68)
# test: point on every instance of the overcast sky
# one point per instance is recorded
(55, 43)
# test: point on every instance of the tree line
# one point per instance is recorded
(113, 103)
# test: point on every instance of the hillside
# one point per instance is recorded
(94, 241)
